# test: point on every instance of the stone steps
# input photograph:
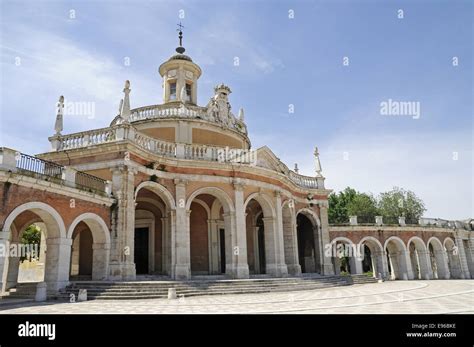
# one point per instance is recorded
(148, 289)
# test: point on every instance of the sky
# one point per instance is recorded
(333, 63)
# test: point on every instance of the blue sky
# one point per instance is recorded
(282, 61)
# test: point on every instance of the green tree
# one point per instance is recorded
(364, 206)
(31, 236)
(338, 203)
(400, 202)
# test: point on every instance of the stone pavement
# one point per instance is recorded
(393, 297)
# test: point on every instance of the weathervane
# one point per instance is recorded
(180, 49)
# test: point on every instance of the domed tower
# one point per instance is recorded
(180, 75)
(180, 119)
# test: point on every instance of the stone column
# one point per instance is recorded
(291, 242)
(405, 265)
(381, 264)
(239, 237)
(213, 234)
(469, 250)
(4, 244)
(58, 257)
(327, 268)
(165, 237)
(270, 259)
(122, 253)
(462, 257)
(282, 269)
(13, 268)
(443, 268)
(100, 261)
(425, 264)
(181, 247)
(337, 265)
(356, 265)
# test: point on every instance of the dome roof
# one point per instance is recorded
(180, 56)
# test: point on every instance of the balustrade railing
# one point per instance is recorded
(29, 163)
(202, 152)
(88, 182)
(86, 138)
(164, 148)
(304, 181)
(164, 111)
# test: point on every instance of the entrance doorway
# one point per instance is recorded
(141, 250)
(222, 248)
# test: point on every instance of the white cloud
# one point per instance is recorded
(51, 66)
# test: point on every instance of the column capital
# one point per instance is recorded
(238, 185)
(323, 204)
(180, 182)
(277, 193)
(117, 169)
(229, 214)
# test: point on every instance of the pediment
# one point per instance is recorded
(268, 160)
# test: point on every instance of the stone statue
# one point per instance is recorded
(58, 126)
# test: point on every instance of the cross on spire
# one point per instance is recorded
(180, 49)
(180, 33)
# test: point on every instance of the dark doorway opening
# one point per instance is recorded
(306, 244)
(222, 249)
(141, 250)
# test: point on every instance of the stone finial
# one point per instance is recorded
(353, 220)
(318, 167)
(120, 107)
(125, 112)
(296, 168)
(401, 221)
(241, 115)
(379, 220)
(182, 95)
(58, 126)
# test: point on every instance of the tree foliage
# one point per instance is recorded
(364, 206)
(391, 205)
(400, 202)
(338, 203)
(31, 236)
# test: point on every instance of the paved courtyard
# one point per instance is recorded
(398, 297)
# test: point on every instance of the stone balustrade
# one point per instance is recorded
(83, 139)
(123, 132)
(305, 181)
(17, 162)
(164, 111)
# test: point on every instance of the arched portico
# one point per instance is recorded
(452, 253)
(100, 243)
(398, 259)
(310, 246)
(58, 246)
(438, 259)
(346, 256)
(272, 236)
(419, 259)
(375, 258)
